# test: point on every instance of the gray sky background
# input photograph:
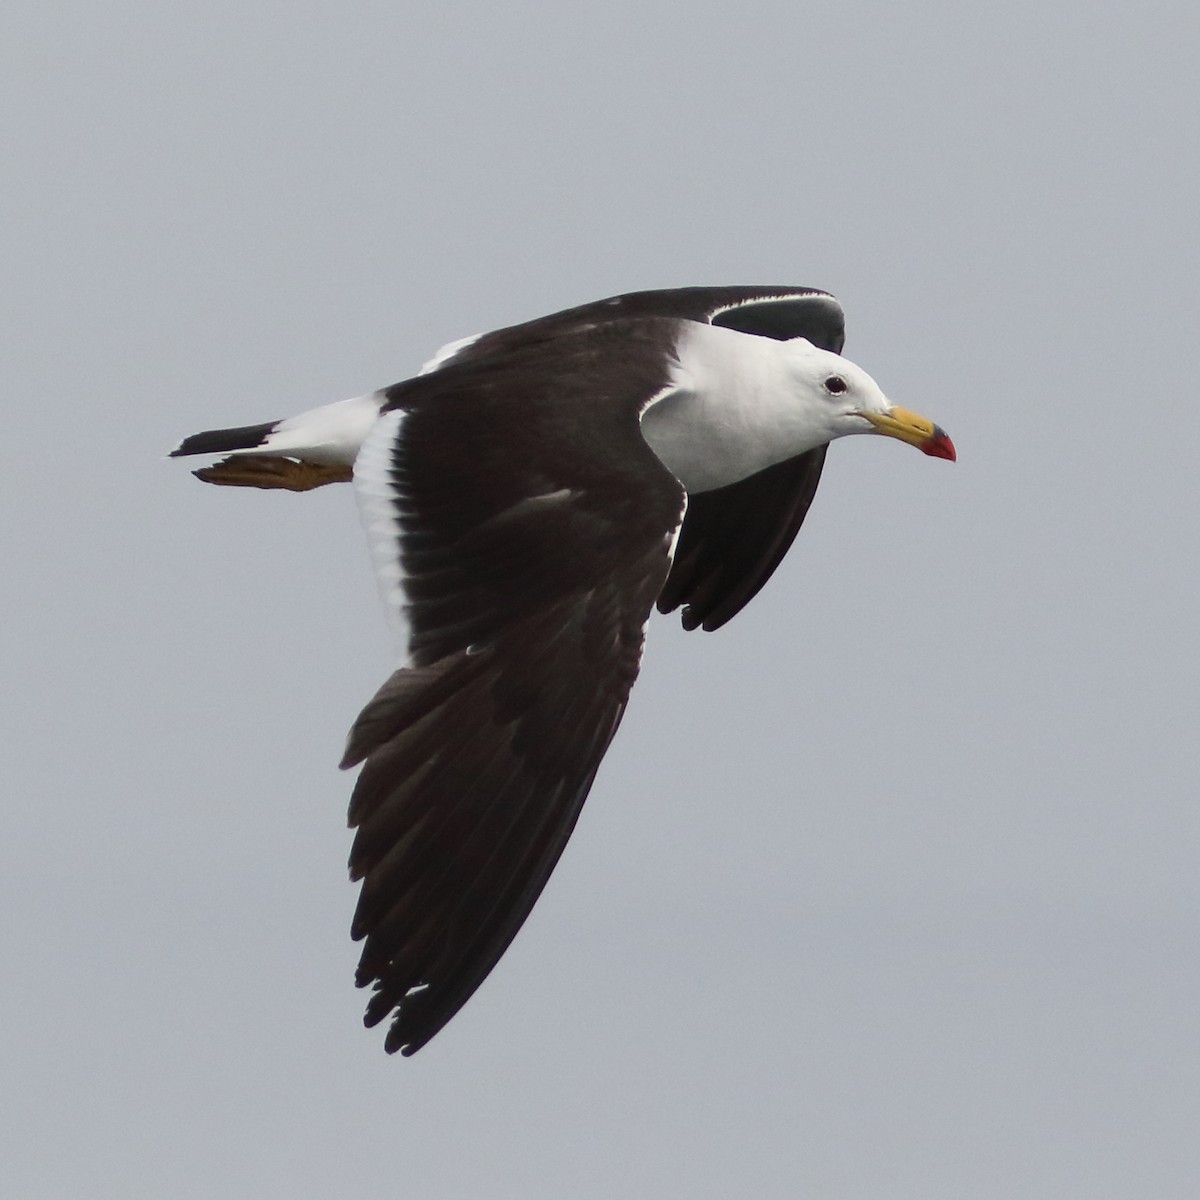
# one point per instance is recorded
(887, 890)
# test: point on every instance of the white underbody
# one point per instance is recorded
(333, 433)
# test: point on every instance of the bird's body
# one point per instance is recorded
(529, 497)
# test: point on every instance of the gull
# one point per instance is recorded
(529, 497)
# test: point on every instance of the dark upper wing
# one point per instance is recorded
(733, 538)
(769, 311)
(532, 526)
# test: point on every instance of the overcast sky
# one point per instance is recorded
(887, 890)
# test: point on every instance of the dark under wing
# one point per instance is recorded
(535, 526)
(733, 538)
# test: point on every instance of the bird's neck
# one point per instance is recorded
(731, 411)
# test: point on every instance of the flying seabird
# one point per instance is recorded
(529, 497)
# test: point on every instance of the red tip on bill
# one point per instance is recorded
(940, 445)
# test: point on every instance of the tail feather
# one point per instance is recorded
(221, 441)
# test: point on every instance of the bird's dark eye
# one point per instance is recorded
(835, 385)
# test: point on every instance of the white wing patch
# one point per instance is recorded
(449, 351)
(669, 543)
(818, 297)
(673, 536)
(379, 505)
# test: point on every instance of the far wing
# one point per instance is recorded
(527, 526)
(734, 537)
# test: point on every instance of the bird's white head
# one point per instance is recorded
(840, 398)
